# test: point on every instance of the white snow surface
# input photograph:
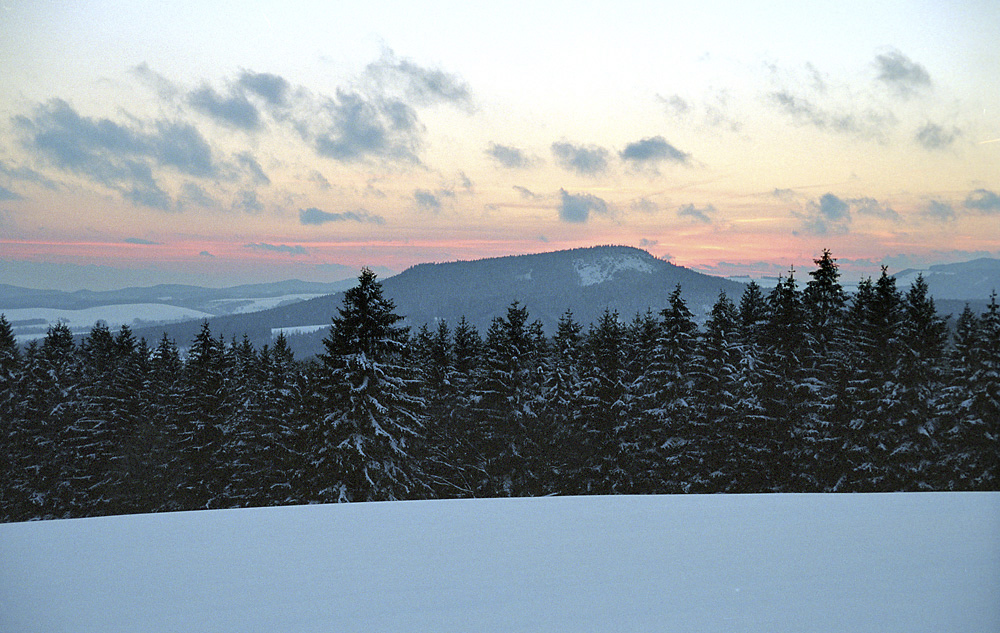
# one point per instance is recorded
(601, 269)
(114, 315)
(255, 304)
(907, 563)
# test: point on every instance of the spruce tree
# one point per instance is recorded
(719, 394)
(371, 416)
(562, 420)
(920, 385)
(203, 470)
(663, 429)
(607, 410)
(818, 430)
(505, 407)
(971, 418)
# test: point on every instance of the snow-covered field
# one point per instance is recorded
(131, 314)
(903, 563)
(242, 306)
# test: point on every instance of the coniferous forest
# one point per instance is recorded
(801, 389)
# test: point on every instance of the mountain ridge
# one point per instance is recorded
(585, 281)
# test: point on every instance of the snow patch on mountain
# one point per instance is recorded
(604, 268)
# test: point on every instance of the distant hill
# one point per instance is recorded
(586, 281)
(971, 281)
(32, 311)
(210, 300)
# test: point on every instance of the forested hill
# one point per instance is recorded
(586, 281)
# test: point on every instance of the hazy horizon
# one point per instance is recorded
(98, 278)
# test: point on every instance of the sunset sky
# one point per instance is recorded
(217, 143)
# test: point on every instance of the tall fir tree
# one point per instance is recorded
(817, 428)
(607, 409)
(662, 430)
(562, 419)
(505, 408)
(371, 415)
(719, 395)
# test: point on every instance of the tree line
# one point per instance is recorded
(801, 389)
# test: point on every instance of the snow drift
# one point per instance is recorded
(890, 562)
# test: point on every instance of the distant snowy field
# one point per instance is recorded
(131, 314)
(904, 563)
(242, 306)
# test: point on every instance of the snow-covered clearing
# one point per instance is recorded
(831, 563)
(255, 304)
(602, 269)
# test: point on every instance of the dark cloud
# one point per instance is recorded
(77, 143)
(867, 124)
(234, 110)
(703, 215)
(140, 241)
(423, 86)
(589, 160)
(939, 211)
(271, 88)
(193, 193)
(142, 188)
(298, 249)
(932, 136)
(314, 216)
(874, 208)
(784, 194)
(826, 216)
(361, 128)
(465, 182)
(983, 200)
(246, 201)
(901, 74)
(206, 254)
(526, 193)
(652, 151)
(114, 155)
(833, 208)
(375, 120)
(576, 208)
(509, 157)
(427, 200)
(252, 167)
(181, 146)
(644, 243)
(164, 88)
(7, 194)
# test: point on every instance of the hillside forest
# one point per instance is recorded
(804, 388)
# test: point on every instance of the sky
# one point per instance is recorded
(217, 143)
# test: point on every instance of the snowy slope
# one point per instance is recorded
(904, 563)
(597, 270)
